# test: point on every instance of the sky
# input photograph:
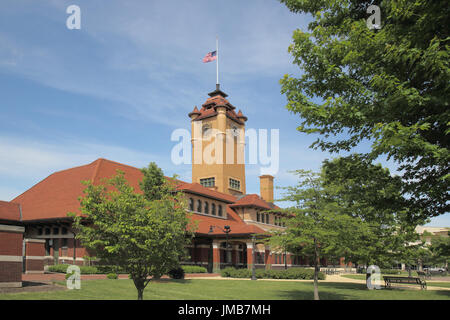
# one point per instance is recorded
(118, 87)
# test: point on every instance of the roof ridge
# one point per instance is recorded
(97, 166)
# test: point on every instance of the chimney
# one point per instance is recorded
(266, 187)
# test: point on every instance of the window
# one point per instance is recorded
(206, 208)
(40, 231)
(55, 230)
(213, 209)
(191, 204)
(220, 210)
(267, 218)
(199, 206)
(64, 242)
(258, 216)
(47, 230)
(207, 182)
(235, 184)
(47, 247)
(64, 230)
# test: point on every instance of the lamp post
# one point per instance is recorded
(226, 230)
(254, 258)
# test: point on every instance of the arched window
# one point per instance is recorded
(258, 217)
(213, 209)
(199, 205)
(206, 207)
(191, 204)
(220, 210)
(267, 218)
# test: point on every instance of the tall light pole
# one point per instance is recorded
(254, 258)
(226, 230)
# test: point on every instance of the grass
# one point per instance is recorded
(203, 289)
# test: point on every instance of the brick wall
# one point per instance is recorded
(34, 255)
(11, 255)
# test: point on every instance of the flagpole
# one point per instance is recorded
(217, 61)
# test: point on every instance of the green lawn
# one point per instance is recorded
(199, 289)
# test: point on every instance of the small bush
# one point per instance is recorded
(177, 273)
(112, 276)
(105, 269)
(194, 269)
(390, 271)
(291, 273)
(62, 268)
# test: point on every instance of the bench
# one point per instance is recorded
(388, 280)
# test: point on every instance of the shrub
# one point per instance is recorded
(58, 268)
(194, 269)
(105, 269)
(112, 276)
(62, 268)
(390, 271)
(291, 273)
(177, 273)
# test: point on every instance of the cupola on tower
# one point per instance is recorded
(218, 144)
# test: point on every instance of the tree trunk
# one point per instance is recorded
(140, 293)
(140, 286)
(316, 271)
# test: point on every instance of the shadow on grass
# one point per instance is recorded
(325, 291)
(445, 293)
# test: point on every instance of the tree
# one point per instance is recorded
(369, 192)
(440, 250)
(144, 233)
(315, 226)
(387, 86)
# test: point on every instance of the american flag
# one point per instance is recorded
(211, 56)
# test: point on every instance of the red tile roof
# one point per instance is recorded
(9, 211)
(58, 194)
(208, 109)
(237, 226)
(201, 190)
(254, 200)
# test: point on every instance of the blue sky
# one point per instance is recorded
(118, 87)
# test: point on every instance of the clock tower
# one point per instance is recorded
(218, 143)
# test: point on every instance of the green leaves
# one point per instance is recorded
(144, 233)
(389, 86)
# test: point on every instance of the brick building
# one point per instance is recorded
(11, 240)
(216, 196)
